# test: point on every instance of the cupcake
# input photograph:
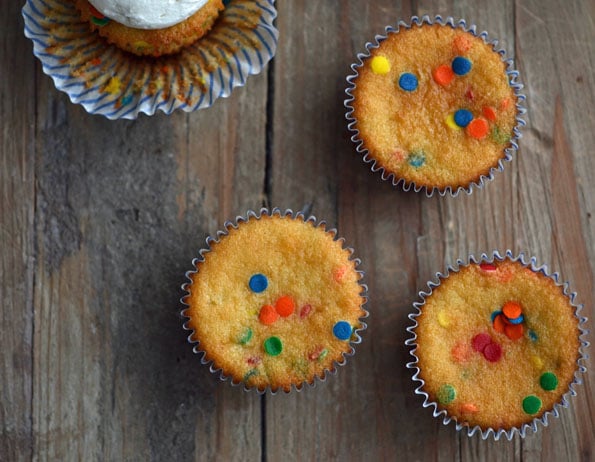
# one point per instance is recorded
(434, 105)
(150, 28)
(119, 58)
(497, 345)
(274, 302)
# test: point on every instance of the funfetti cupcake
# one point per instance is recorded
(275, 301)
(434, 105)
(497, 345)
(119, 58)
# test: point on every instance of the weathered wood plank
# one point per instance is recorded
(123, 209)
(17, 206)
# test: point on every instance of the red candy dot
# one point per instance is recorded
(254, 360)
(305, 311)
(480, 342)
(493, 352)
(285, 306)
(469, 93)
(268, 315)
(315, 354)
(488, 267)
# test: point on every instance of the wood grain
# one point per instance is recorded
(99, 220)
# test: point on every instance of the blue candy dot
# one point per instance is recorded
(258, 283)
(408, 82)
(342, 330)
(518, 320)
(463, 117)
(533, 335)
(461, 66)
(416, 159)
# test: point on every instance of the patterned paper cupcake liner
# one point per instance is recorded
(108, 81)
(513, 77)
(497, 433)
(239, 220)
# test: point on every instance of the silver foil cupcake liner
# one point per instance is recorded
(118, 85)
(239, 220)
(513, 77)
(544, 418)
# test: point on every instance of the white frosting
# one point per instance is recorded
(148, 14)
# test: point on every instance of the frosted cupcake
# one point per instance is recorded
(433, 105)
(151, 27)
(275, 302)
(119, 58)
(497, 346)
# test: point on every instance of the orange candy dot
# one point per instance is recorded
(338, 273)
(285, 306)
(489, 113)
(460, 352)
(478, 128)
(512, 310)
(461, 44)
(514, 331)
(268, 315)
(469, 408)
(443, 75)
(499, 324)
(505, 103)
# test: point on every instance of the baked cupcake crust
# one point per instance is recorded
(487, 362)
(275, 283)
(405, 98)
(156, 42)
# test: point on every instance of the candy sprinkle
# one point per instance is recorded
(450, 122)
(305, 311)
(245, 337)
(342, 330)
(461, 65)
(446, 394)
(531, 404)
(512, 310)
(489, 113)
(380, 65)
(408, 82)
(478, 128)
(258, 283)
(493, 352)
(268, 315)
(273, 346)
(469, 408)
(416, 159)
(548, 381)
(443, 75)
(285, 306)
(480, 342)
(463, 117)
(488, 267)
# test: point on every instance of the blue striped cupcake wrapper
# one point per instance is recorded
(108, 81)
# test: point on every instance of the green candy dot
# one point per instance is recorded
(250, 373)
(273, 346)
(245, 337)
(446, 394)
(323, 354)
(531, 404)
(548, 381)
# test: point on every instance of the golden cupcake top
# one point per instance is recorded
(275, 303)
(497, 345)
(434, 106)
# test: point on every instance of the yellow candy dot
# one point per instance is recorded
(537, 362)
(380, 65)
(114, 85)
(450, 121)
(443, 319)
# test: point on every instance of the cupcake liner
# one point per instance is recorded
(118, 85)
(513, 77)
(228, 225)
(543, 419)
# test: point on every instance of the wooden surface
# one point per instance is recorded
(99, 220)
